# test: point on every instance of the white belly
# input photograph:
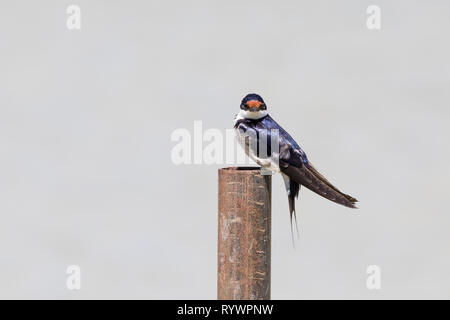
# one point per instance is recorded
(270, 163)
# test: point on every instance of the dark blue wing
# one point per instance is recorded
(290, 151)
(295, 164)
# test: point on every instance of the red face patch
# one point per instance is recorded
(254, 104)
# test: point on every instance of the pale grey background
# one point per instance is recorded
(86, 117)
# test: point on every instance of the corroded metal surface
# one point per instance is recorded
(244, 238)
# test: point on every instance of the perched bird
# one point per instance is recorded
(253, 121)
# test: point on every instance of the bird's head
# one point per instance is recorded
(253, 103)
(252, 107)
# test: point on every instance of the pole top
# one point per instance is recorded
(245, 169)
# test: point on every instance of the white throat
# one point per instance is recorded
(251, 114)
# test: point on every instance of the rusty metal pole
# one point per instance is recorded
(244, 242)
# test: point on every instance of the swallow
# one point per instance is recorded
(254, 122)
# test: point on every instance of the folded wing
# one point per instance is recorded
(309, 177)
